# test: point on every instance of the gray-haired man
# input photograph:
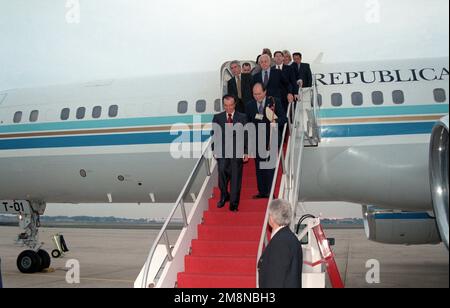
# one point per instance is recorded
(281, 263)
(240, 86)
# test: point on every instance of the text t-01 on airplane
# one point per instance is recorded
(15, 207)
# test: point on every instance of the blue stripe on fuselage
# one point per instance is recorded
(339, 112)
(371, 130)
(325, 113)
(100, 140)
(110, 123)
(336, 131)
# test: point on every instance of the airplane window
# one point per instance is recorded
(377, 98)
(336, 99)
(34, 115)
(357, 98)
(17, 117)
(218, 105)
(113, 111)
(440, 96)
(81, 113)
(398, 97)
(200, 106)
(97, 112)
(65, 113)
(182, 107)
(319, 100)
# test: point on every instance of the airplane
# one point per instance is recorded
(130, 141)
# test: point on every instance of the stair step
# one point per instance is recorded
(227, 233)
(225, 253)
(246, 190)
(224, 249)
(246, 193)
(220, 265)
(233, 219)
(248, 205)
(187, 280)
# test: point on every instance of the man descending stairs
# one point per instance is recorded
(224, 255)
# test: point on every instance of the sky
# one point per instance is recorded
(45, 42)
(64, 41)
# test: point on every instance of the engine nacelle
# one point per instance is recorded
(400, 228)
(439, 176)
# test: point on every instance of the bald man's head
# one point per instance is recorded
(259, 92)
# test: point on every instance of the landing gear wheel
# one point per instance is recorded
(45, 258)
(29, 262)
(56, 254)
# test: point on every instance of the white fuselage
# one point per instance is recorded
(369, 154)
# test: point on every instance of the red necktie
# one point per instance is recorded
(230, 119)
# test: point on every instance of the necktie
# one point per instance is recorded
(279, 67)
(230, 119)
(266, 78)
(239, 87)
(261, 108)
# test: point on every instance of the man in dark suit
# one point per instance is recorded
(302, 71)
(230, 150)
(281, 263)
(240, 86)
(266, 145)
(288, 74)
(273, 80)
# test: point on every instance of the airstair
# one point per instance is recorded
(219, 249)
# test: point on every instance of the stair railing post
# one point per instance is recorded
(183, 212)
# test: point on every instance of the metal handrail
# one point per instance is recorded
(178, 203)
(292, 177)
(280, 161)
(316, 110)
(296, 181)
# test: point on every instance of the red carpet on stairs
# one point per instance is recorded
(224, 255)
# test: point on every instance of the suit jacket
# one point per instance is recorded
(303, 73)
(281, 263)
(221, 123)
(277, 82)
(246, 89)
(252, 111)
(289, 74)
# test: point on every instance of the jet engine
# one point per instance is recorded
(439, 176)
(400, 228)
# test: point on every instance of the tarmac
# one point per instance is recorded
(113, 259)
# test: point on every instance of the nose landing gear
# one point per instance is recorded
(35, 259)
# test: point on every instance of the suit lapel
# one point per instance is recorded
(235, 118)
(224, 117)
